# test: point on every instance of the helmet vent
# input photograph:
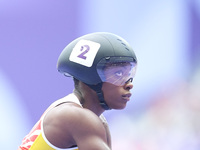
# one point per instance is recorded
(126, 48)
(123, 44)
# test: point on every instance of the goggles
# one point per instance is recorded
(118, 73)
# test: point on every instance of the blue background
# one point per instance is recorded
(164, 110)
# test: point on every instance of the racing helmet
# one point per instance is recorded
(98, 57)
(84, 57)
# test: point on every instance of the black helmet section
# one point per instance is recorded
(81, 57)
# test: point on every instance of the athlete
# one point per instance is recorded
(103, 66)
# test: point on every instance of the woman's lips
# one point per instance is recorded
(126, 96)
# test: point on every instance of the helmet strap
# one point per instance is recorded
(98, 89)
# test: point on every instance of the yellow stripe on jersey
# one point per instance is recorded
(40, 144)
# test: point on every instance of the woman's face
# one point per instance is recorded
(117, 84)
(117, 96)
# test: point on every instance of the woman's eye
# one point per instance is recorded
(119, 73)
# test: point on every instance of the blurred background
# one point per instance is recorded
(164, 112)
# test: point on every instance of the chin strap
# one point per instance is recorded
(97, 89)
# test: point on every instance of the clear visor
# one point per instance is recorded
(118, 73)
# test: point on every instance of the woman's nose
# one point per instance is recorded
(128, 85)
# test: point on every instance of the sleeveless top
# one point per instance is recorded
(36, 139)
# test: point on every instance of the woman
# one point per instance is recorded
(103, 66)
